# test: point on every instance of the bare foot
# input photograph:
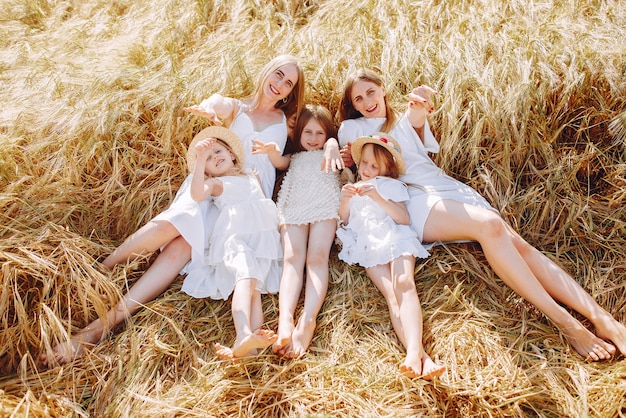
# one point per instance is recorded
(248, 345)
(609, 328)
(285, 330)
(424, 367)
(586, 343)
(430, 369)
(301, 338)
(67, 351)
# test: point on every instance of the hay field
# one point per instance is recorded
(531, 112)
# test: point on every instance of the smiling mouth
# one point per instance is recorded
(273, 89)
(371, 109)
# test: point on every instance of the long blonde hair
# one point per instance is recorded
(346, 108)
(295, 99)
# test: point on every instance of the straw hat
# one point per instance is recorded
(221, 133)
(383, 139)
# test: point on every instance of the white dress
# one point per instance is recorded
(371, 236)
(195, 220)
(245, 243)
(428, 184)
(244, 128)
(308, 194)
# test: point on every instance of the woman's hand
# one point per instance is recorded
(206, 110)
(420, 98)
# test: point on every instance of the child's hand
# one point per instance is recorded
(368, 190)
(204, 109)
(346, 155)
(348, 191)
(333, 160)
(260, 147)
(203, 148)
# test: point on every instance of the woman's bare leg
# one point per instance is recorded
(294, 239)
(450, 220)
(321, 236)
(151, 284)
(562, 287)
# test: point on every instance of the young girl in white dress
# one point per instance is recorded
(443, 209)
(307, 202)
(243, 256)
(375, 234)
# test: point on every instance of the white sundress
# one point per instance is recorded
(308, 194)
(428, 184)
(245, 243)
(371, 236)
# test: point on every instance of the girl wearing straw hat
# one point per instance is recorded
(179, 232)
(244, 253)
(443, 209)
(375, 234)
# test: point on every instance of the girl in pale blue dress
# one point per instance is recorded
(375, 234)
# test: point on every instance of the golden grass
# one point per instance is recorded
(531, 112)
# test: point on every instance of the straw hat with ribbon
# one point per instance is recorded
(385, 141)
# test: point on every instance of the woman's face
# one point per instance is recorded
(369, 167)
(369, 99)
(313, 136)
(279, 84)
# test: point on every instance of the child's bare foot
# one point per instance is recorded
(586, 343)
(430, 369)
(609, 328)
(301, 338)
(67, 351)
(285, 330)
(248, 345)
(423, 366)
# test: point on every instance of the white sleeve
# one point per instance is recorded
(348, 132)
(392, 189)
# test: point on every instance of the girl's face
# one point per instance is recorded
(219, 162)
(313, 136)
(279, 84)
(369, 99)
(369, 167)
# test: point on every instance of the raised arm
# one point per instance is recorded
(333, 160)
(279, 161)
(200, 188)
(217, 108)
(419, 106)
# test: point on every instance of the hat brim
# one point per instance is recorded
(224, 134)
(384, 140)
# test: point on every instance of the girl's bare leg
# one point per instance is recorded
(294, 239)
(247, 341)
(321, 236)
(450, 220)
(152, 283)
(147, 239)
(380, 275)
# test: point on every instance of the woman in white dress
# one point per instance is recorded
(244, 253)
(443, 209)
(307, 202)
(180, 232)
(375, 234)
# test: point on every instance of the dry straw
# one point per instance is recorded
(530, 112)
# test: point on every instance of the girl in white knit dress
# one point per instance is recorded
(244, 255)
(375, 234)
(307, 202)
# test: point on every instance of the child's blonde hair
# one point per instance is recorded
(385, 159)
